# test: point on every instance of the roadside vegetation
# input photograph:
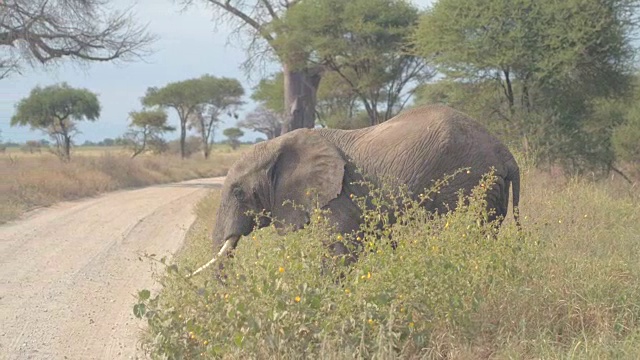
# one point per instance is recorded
(568, 286)
(32, 180)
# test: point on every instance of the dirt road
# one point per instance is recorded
(69, 273)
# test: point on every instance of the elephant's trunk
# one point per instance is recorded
(227, 244)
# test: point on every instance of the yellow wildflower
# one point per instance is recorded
(205, 342)
(368, 275)
(339, 237)
(370, 321)
(297, 299)
(411, 324)
(347, 291)
(281, 269)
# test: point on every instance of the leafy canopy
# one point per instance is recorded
(552, 64)
(155, 119)
(48, 106)
(364, 41)
(233, 133)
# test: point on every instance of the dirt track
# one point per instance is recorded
(69, 273)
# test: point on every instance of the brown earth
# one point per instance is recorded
(69, 274)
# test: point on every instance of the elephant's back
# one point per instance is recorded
(424, 144)
(434, 117)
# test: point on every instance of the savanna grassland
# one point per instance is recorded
(567, 286)
(31, 180)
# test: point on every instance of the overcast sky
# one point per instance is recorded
(188, 46)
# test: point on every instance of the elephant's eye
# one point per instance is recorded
(238, 193)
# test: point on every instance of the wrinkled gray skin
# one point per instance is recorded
(414, 148)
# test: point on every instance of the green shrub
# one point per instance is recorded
(287, 295)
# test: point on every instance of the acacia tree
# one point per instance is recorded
(301, 78)
(219, 96)
(145, 130)
(233, 134)
(43, 31)
(199, 103)
(185, 97)
(366, 43)
(55, 110)
(551, 61)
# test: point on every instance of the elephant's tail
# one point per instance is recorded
(514, 178)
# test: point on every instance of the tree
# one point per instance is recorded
(233, 134)
(338, 104)
(32, 146)
(183, 96)
(550, 61)
(43, 31)
(219, 96)
(199, 102)
(55, 110)
(366, 43)
(270, 93)
(300, 77)
(264, 121)
(145, 130)
(107, 142)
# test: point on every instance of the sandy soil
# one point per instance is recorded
(69, 274)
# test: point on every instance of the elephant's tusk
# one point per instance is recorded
(213, 260)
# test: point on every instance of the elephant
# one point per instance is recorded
(414, 148)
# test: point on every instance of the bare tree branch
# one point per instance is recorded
(43, 31)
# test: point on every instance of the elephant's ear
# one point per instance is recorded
(308, 170)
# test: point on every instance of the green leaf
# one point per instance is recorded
(238, 339)
(139, 310)
(144, 295)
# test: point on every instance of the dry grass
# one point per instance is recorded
(28, 181)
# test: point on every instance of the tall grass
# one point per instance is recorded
(567, 286)
(27, 182)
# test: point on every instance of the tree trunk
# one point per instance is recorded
(183, 138)
(300, 90)
(67, 147)
(206, 148)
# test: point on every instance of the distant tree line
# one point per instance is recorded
(556, 80)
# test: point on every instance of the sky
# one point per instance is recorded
(189, 45)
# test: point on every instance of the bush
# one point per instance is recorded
(626, 139)
(287, 295)
(568, 286)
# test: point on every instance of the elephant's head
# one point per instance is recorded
(300, 166)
